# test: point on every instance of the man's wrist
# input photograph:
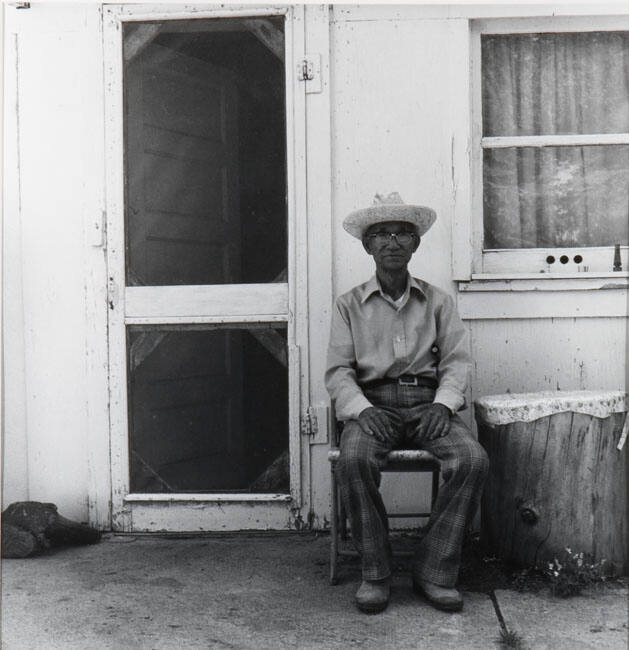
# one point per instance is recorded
(446, 407)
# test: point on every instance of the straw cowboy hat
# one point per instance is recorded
(389, 208)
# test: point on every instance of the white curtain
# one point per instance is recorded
(553, 84)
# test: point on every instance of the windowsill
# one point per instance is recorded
(546, 281)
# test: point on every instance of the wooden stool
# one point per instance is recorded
(399, 460)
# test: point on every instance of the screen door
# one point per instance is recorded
(200, 316)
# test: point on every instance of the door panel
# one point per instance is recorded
(208, 409)
(205, 154)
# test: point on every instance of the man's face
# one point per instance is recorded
(388, 252)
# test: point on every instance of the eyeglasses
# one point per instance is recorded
(383, 238)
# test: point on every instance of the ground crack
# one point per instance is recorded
(501, 620)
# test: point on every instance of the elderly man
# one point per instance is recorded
(397, 371)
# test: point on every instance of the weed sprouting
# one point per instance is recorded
(572, 573)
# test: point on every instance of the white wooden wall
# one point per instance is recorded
(397, 101)
(55, 414)
(401, 122)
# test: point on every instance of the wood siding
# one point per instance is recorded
(394, 115)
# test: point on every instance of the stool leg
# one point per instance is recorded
(435, 488)
(342, 519)
(334, 539)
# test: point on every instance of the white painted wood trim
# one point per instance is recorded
(316, 497)
(489, 11)
(504, 142)
(294, 424)
(114, 170)
(596, 259)
(319, 218)
(130, 13)
(249, 319)
(234, 301)
(496, 305)
(544, 23)
(225, 498)
(2, 167)
(461, 177)
(545, 282)
(13, 403)
(97, 356)
(210, 516)
(297, 253)
(476, 153)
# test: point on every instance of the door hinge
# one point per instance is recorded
(309, 70)
(309, 423)
(315, 423)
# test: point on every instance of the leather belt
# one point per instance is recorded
(403, 380)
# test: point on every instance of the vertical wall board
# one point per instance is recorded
(458, 82)
(297, 255)
(548, 354)
(391, 131)
(14, 442)
(318, 160)
(95, 274)
(53, 144)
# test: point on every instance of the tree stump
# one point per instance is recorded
(557, 479)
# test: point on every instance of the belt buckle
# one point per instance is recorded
(408, 382)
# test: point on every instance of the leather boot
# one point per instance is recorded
(448, 599)
(373, 596)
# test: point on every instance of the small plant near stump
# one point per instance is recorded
(510, 639)
(573, 573)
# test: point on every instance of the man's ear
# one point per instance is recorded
(365, 242)
(418, 241)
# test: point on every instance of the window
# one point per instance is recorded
(552, 154)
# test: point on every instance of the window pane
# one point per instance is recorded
(556, 196)
(205, 149)
(545, 84)
(208, 409)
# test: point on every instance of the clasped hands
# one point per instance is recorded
(434, 422)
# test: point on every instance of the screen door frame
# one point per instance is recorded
(214, 304)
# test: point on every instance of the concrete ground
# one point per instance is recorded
(264, 591)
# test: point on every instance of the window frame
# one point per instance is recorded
(514, 263)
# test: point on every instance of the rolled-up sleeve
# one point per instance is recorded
(455, 361)
(340, 377)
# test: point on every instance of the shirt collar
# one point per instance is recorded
(373, 286)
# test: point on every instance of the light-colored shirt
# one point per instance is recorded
(372, 338)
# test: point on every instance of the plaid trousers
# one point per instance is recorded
(464, 466)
